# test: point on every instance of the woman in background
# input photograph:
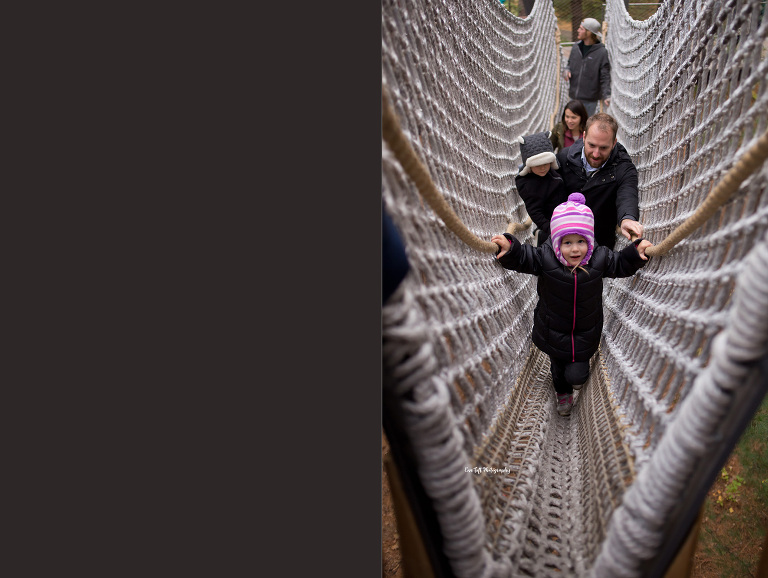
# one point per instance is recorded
(571, 126)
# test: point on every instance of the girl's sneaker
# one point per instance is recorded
(564, 403)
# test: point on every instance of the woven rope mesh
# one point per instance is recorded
(518, 489)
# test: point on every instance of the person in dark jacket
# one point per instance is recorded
(601, 169)
(589, 69)
(570, 265)
(538, 183)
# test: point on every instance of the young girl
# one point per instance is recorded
(571, 126)
(568, 319)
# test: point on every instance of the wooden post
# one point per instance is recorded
(683, 563)
(762, 568)
(415, 560)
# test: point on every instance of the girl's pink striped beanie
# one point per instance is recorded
(573, 217)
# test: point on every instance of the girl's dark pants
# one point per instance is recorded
(566, 374)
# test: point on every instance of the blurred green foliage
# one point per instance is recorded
(564, 9)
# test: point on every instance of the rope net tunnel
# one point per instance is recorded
(502, 484)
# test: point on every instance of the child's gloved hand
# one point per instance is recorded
(503, 243)
(641, 247)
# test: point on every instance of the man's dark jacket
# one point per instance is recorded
(611, 192)
(564, 295)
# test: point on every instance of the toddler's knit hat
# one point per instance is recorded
(536, 149)
(573, 217)
(593, 26)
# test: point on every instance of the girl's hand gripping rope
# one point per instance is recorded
(503, 243)
(641, 247)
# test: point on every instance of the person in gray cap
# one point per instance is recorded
(589, 69)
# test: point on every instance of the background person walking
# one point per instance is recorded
(589, 69)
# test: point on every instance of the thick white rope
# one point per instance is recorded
(636, 525)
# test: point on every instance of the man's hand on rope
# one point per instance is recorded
(630, 228)
(503, 244)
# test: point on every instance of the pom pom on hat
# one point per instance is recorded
(535, 150)
(573, 217)
(577, 198)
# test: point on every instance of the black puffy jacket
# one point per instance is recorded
(611, 192)
(568, 319)
(541, 195)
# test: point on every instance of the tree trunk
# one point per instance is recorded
(576, 18)
(526, 6)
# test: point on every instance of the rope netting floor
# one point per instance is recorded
(541, 501)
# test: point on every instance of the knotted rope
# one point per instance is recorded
(418, 173)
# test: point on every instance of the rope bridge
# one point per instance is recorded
(500, 483)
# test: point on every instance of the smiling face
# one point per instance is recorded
(598, 145)
(573, 248)
(572, 121)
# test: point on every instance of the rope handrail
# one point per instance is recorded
(416, 170)
(747, 164)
